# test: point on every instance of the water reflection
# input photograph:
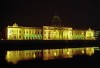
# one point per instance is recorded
(15, 56)
(47, 54)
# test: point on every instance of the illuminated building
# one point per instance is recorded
(54, 32)
(89, 34)
(16, 32)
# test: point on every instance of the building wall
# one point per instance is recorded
(16, 32)
(90, 34)
(32, 33)
(78, 34)
(57, 33)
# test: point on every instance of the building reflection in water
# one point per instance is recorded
(47, 54)
(15, 56)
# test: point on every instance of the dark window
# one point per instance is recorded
(44, 28)
(19, 36)
(27, 32)
(49, 32)
(44, 36)
(14, 37)
(44, 32)
(40, 32)
(29, 53)
(19, 54)
(26, 53)
(37, 32)
(9, 36)
(48, 37)
(49, 51)
(44, 52)
(26, 37)
(19, 31)
(33, 32)
(30, 32)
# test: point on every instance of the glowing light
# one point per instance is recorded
(55, 54)
(34, 56)
(68, 52)
(82, 51)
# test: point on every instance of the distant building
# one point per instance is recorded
(54, 32)
(16, 32)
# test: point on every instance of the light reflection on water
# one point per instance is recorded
(47, 54)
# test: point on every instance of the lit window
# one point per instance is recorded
(34, 55)
(10, 31)
(34, 32)
(55, 54)
(82, 33)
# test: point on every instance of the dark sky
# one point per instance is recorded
(73, 13)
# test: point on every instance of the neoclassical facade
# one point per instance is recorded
(53, 32)
(57, 33)
(16, 32)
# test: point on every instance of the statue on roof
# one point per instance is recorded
(15, 24)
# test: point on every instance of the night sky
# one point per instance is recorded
(80, 14)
